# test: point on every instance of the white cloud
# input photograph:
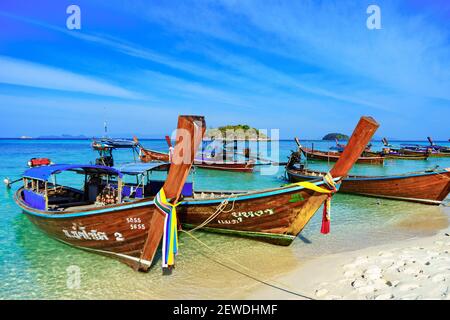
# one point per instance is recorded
(25, 73)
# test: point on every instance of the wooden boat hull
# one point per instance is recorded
(334, 156)
(248, 166)
(401, 156)
(237, 166)
(275, 216)
(425, 187)
(118, 231)
(431, 154)
(439, 154)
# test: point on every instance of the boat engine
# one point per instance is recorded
(107, 161)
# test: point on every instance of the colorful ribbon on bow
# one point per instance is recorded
(170, 237)
(326, 216)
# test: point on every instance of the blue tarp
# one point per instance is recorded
(115, 143)
(34, 200)
(44, 172)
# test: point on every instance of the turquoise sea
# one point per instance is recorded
(33, 266)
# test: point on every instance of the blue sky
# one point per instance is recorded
(305, 67)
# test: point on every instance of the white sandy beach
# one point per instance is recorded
(411, 269)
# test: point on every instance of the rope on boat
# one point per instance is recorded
(255, 276)
(220, 209)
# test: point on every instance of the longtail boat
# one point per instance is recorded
(340, 147)
(109, 216)
(331, 156)
(412, 151)
(428, 187)
(442, 149)
(388, 153)
(275, 215)
(110, 143)
(105, 147)
(432, 149)
(214, 163)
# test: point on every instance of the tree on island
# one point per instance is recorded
(235, 132)
(334, 136)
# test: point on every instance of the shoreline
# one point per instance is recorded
(416, 268)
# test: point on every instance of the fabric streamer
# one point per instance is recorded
(329, 181)
(170, 236)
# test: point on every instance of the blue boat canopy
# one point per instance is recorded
(135, 168)
(44, 172)
(114, 143)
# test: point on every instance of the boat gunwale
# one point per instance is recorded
(378, 178)
(252, 194)
(201, 161)
(336, 155)
(387, 177)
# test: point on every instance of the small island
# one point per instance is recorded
(63, 137)
(235, 132)
(335, 136)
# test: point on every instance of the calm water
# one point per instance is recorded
(35, 266)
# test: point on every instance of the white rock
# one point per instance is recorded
(358, 283)
(385, 254)
(349, 266)
(373, 270)
(361, 260)
(412, 271)
(410, 297)
(432, 253)
(350, 273)
(395, 283)
(321, 292)
(438, 277)
(387, 263)
(408, 287)
(401, 269)
(372, 276)
(384, 296)
(380, 284)
(333, 297)
(392, 268)
(366, 289)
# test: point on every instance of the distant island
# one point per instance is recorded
(334, 136)
(53, 137)
(235, 132)
(64, 137)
